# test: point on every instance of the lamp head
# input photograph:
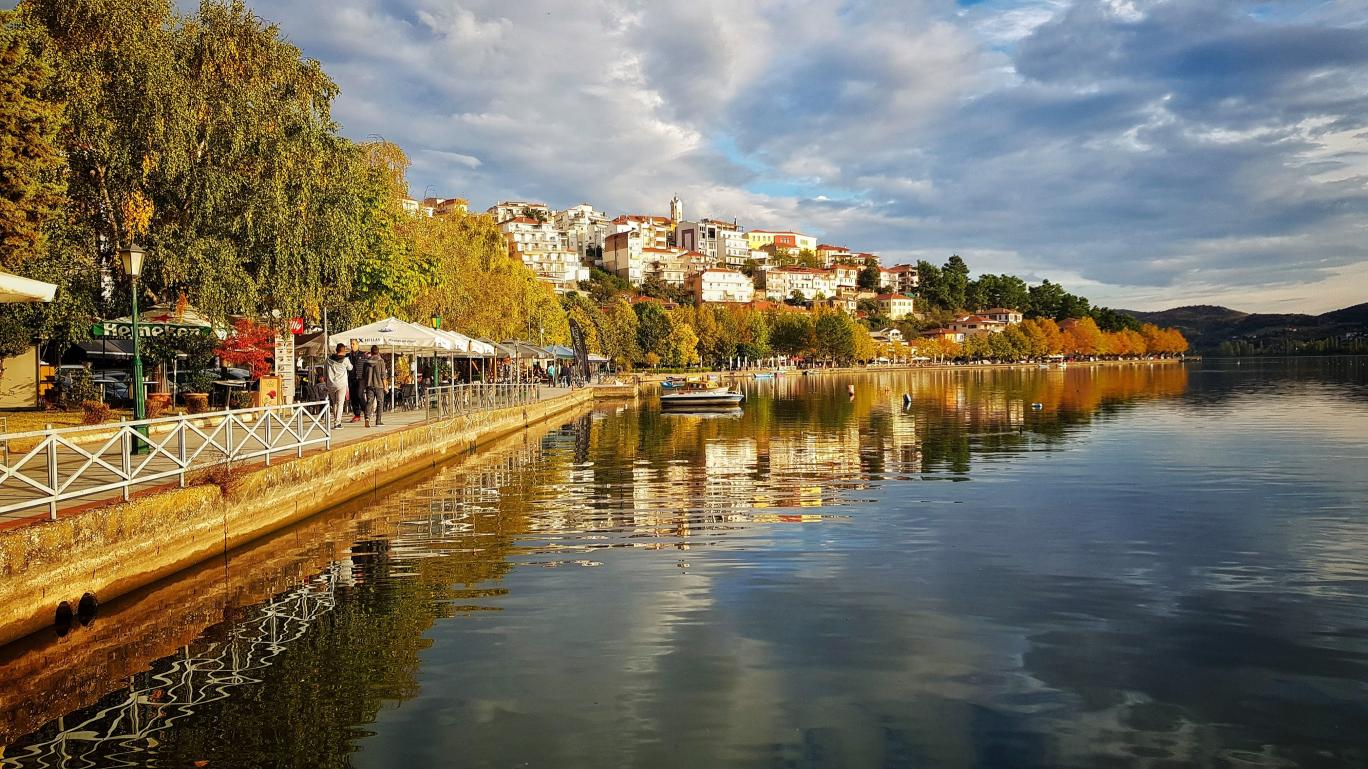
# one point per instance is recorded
(132, 257)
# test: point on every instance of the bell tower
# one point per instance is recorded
(676, 209)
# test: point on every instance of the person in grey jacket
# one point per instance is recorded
(374, 378)
(337, 370)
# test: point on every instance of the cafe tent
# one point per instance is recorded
(391, 335)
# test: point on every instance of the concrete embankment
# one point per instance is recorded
(109, 551)
(46, 675)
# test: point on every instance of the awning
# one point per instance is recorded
(527, 350)
(561, 351)
(17, 290)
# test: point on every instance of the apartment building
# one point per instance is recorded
(716, 284)
(792, 242)
(542, 248)
(585, 229)
(781, 282)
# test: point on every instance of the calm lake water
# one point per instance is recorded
(1162, 566)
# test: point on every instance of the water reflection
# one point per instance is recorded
(1145, 570)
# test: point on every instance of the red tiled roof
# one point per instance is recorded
(998, 311)
(888, 297)
(828, 247)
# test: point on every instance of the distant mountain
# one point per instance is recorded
(1206, 326)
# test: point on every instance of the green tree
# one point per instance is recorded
(680, 345)
(930, 286)
(835, 337)
(32, 184)
(653, 326)
(869, 279)
(791, 334)
(955, 283)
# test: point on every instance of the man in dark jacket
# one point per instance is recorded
(357, 388)
(376, 377)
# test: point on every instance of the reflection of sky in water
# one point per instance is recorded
(1156, 568)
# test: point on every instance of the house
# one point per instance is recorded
(782, 282)
(846, 304)
(716, 284)
(896, 306)
(671, 265)
(656, 231)
(830, 254)
(1002, 315)
(974, 325)
(791, 242)
(511, 209)
(943, 333)
(903, 278)
(889, 335)
(444, 206)
(722, 241)
(415, 208)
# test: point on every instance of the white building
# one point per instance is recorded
(781, 282)
(671, 265)
(415, 208)
(511, 209)
(974, 325)
(716, 284)
(1002, 315)
(542, 248)
(656, 230)
(722, 241)
(584, 229)
(903, 279)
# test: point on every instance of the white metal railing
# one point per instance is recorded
(73, 462)
(460, 399)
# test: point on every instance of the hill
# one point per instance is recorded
(1207, 326)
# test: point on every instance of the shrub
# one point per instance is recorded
(240, 400)
(94, 412)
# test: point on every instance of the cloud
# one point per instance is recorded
(1155, 152)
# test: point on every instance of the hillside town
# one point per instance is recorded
(710, 260)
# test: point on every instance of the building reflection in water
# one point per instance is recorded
(356, 589)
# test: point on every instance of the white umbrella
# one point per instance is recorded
(17, 290)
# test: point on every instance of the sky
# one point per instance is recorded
(1145, 154)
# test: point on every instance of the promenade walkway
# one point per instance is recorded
(92, 475)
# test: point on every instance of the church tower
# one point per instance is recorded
(676, 209)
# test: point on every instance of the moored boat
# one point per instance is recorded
(694, 394)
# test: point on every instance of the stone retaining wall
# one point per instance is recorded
(115, 549)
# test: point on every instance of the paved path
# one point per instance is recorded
(13, 490)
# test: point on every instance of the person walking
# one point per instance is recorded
(375, 376)
(358, 381)
(337, 373)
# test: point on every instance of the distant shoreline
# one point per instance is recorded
(748, 373)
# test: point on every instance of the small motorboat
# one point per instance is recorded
(695, 394)
(765, 375)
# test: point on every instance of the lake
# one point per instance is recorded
(1157, 566)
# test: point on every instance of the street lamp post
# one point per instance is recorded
(132, 258)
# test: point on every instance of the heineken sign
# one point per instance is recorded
(117, 329)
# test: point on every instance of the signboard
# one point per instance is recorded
(111, 329)
(296, 325)
(285, 367)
